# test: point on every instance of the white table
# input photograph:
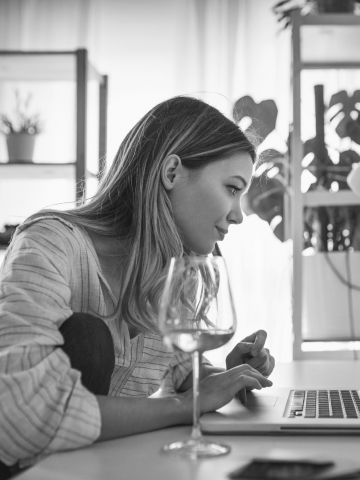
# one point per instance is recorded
(138, 457)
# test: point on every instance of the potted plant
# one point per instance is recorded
(284, 8)
(270, 187)
(21, 130)
(331, 233)
(331, 287)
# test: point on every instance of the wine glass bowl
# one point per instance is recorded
(196, 314)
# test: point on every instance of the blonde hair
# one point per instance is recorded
(132, 204)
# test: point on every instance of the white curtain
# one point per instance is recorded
(218, 50)
(154, 49)
(259, 267)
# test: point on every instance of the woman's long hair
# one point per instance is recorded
(132, 204)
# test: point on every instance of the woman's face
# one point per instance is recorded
(206, 202)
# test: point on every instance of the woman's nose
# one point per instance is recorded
(236, 214)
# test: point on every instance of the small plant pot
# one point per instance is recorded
(20, 147)
(334, 6)
(331, 297)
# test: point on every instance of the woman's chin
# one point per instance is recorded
(203, 249)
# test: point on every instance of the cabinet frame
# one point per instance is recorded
(298, 199)
(83, 71)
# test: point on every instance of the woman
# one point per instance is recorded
(80, 291)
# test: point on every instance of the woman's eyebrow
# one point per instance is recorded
(239, 177)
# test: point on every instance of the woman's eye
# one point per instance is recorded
(234, 190)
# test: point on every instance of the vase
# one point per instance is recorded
(331, 296)
(20, 147)
(334, 6)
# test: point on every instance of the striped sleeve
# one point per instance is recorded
(43, 406)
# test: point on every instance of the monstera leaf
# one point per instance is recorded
(266, 193)
(263, 114)
(320, 164)
(353, 129)
(344, 167)
(347, 127)
(326, 171)
(349, 157)
(319, 150)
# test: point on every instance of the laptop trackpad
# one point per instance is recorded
(253, 403)
(260, 401)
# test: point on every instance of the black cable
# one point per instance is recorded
(338, 274)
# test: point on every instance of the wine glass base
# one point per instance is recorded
(200, 448)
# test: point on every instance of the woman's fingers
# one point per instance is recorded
(270, 367)
(241, 374)
(251, 382)
(254, 380)
(263, 362)
(251, 379)
(245, 367)
(258, 338)
(219, 389)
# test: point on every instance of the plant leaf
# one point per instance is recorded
(347, 127)
(263, 115)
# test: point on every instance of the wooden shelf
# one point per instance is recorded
(325, 199)
(39, 171)
(330, 19)
(330, 65)
(42, 66)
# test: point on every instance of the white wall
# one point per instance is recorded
(219, 50)
(154, 49)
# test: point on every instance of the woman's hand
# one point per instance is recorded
(218, 389)
(251, 351)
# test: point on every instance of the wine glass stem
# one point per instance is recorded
(196, 432)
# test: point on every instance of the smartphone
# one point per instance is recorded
(269, 469)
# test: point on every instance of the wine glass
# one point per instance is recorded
(197, 314)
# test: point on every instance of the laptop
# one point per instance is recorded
(288, 411)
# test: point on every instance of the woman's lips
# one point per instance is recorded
(222, 232)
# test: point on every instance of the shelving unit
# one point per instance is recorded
(38, 171)
(67, 66)
(315, 45)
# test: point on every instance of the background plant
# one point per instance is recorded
(326, 228)
(270, 184)
(284, 8)
(22, 120)
(333, 228)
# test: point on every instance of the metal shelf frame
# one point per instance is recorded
(40, 171)
(298, 199)
(64, 65)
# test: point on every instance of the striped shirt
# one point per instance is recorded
(51, 270)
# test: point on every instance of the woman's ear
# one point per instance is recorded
(170, 170)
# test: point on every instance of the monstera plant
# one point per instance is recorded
(283, 8)
(270, 183)
(333, 228)
(326, 228)
(350, 107)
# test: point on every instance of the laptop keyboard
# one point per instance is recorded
(325, 404)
